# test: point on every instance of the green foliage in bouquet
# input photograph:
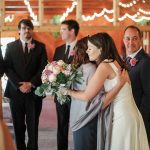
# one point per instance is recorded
(56, 75)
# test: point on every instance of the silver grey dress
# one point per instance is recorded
(90, 125)
(86, 133)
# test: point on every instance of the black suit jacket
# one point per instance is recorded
(60, 54)
(140, 80)
(1, 64)
(18, 71)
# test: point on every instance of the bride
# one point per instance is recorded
(128, 131)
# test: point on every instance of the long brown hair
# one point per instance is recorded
(81, 57)
(109, 51)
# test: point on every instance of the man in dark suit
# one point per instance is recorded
(1, 64)
(69, 31)
(25, 59)
(139, 71)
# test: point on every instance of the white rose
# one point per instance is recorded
(50, 67)
(69, 67)
(52, 77)
(60, 63)
(56, 70)
(67, 72)
(44, 78)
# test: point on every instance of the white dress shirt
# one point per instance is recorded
(72, 45)
(134, 54)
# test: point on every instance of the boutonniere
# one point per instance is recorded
(72, 53)
(133, 62)
(31, 45)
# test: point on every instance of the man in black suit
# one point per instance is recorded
(139, 71)
(69, 31)
(25, 59)
(1, 64)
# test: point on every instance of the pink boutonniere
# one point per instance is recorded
(133, 62)
(31, 45)
(72, 53)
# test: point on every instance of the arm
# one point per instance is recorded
(12, 76)
(89, 93)
(109, 97)
(36, 80)
(94, 86)
(1, 64)
(145, 81)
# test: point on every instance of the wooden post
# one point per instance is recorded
(41, 12)
(2, 20)
(6, 141)
(116, 12)
(1, 112)
(2, 13)
(79, 10)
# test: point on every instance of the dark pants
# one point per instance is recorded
(25, 113)
(86, 137)
(146, 120)
(63, 113)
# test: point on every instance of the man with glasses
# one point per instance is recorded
(25, 60)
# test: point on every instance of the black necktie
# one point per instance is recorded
(26, 52)
(67, 53)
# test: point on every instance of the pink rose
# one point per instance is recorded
(133, 62)
(52, 77)
(72, 53)
(31, 45)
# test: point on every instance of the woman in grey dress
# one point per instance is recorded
(84, 136)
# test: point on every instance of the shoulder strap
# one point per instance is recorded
(113, 67)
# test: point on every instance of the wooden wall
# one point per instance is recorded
(51, 42)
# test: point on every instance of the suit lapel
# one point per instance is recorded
(63, 51)
(138, 57)
(20, 52)
(140, 54)
(31, 52)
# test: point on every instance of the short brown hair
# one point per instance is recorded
(26, 22)
(72, 24)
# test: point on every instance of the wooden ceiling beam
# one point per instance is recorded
(56, 28)
(2, 12)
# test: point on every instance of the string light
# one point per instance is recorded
(9, 18)
(129, 16)
(127, 5)
(144, 12)
(87, 18)
(27, 3)
(108, 19)
(134, 17)
(68, 10)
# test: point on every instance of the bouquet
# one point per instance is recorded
(56, 75)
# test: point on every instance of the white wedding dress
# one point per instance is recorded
(128, 130)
